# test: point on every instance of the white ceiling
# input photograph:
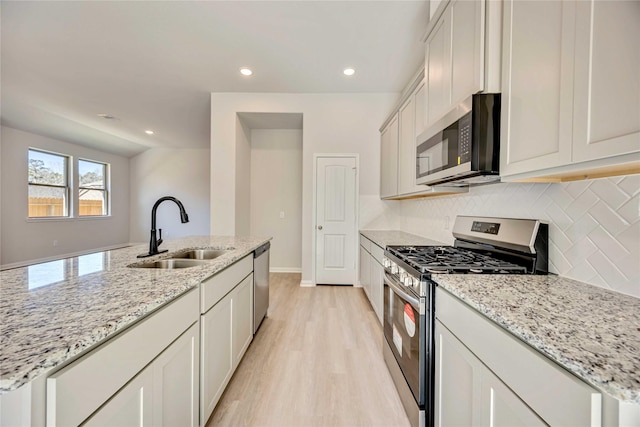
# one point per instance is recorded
(153, 65)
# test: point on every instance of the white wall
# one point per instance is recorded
(181, 173)
(594, 225)
(243, 179)
(276, 186)
(332, 123)
(32, 239)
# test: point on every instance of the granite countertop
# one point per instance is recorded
(384, 238)
(590, 331)
(54, 311)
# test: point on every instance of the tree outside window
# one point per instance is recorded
(48, 185)
(92, 188)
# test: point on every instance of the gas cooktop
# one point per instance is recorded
(446, 259)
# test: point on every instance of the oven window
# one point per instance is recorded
(433, 158)
(403, 330)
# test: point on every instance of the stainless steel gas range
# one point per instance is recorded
(482, 246)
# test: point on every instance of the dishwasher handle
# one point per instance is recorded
(262, 249)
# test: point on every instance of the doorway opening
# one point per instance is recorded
(269, 184)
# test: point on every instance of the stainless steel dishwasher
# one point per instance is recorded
(260, 284)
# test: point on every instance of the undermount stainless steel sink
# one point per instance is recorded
(202, 254)
(170, 264)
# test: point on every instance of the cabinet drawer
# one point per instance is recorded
(76, 391)
(365, 243)
(377, 252)
(216, 287)
(557, 396)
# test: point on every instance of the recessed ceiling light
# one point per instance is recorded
(107, 116)
(349, 71)
(245, 71)
(148, 132)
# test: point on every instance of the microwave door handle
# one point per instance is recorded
(396, 288)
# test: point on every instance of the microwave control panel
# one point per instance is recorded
(464, 139)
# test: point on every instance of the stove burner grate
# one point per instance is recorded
(444, 259)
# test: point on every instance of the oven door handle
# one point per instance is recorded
(393, 284)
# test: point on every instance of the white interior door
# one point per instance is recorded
(335, 220)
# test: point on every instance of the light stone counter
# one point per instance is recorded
(385, 238)
(590, 331)
(54, 311)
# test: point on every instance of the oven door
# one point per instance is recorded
(405, 329)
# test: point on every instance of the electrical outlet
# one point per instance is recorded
(55, 243)
(281, 214)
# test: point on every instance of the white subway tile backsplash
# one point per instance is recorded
(594, 224)
(608, 218)
(630, 209)
(630, 184)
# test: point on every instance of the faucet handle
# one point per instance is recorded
(160, 238)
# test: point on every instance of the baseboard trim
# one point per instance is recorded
(285, 270)
(307, 283)
(63, 256)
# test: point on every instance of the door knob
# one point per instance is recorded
(319, 227)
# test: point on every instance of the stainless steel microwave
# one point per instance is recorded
(463, 147)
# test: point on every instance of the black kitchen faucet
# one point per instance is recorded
(155, 240)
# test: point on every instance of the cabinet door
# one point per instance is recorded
(501, 407)
(607, 79)
(467, 49)
(365, 273)
(377, 286)
(175, 382)
(216, 359)
(131, 406)
(407, 148)
(389, 160)
(242, 318)
(458, 376)
(438, 68)
(421, 110)
(537, 85)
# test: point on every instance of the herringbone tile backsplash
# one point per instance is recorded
(594, 225)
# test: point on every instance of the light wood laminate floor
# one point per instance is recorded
(315, 361)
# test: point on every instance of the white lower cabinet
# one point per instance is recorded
(217, 362)
(372, 273)
(486, 376)
(175, 382)
(469, 394)
(365, 270)
(226, 330)
(131, 406)
(163, 394)
(120, 372)
(377, 281)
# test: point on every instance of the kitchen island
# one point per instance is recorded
(53, 313)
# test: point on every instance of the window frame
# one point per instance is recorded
(106, 188)
(67, 200)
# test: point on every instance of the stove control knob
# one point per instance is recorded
(407, 280)
(394, 269)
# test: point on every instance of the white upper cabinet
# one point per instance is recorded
(455, 56)
(571, 93)
(607, 79)
(408, 116)
(437, 68)
(467, 49)
(389, 159)
(537, 89)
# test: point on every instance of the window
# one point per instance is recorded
(48, 184)
(92, 188)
